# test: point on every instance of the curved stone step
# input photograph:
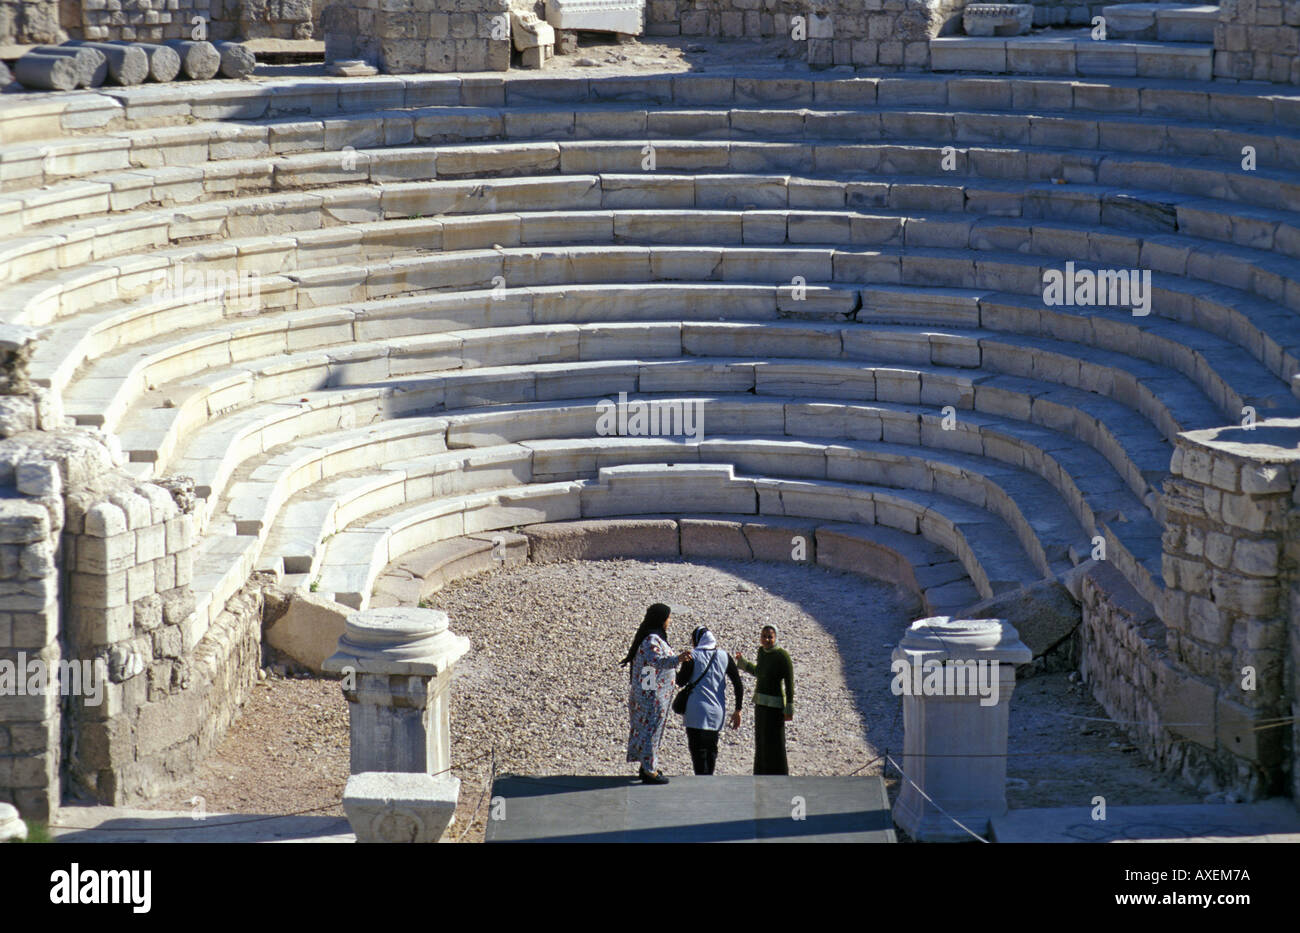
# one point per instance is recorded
(355, 557)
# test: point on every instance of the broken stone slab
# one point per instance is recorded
(236, 61)
(91, 64)
(47, 72)
(353, 68)
(997, 19)
(1044, 614)
(310, 629)
(164, 61)
(199, 60)
(622, 16)
(528, 32)
(11, 827)
(387, 806)
(127, 65)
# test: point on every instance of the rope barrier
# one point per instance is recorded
(206, 822)
(492, 776)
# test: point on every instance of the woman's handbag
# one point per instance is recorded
(679, 701)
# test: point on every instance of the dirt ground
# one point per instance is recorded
(541, 693)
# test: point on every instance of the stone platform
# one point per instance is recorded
(690, 809)
(1268, 821)
(121, 824)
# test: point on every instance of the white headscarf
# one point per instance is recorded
(703, 638)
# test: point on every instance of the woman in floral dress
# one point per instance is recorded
(650, 691)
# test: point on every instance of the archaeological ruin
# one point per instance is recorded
(1000, 302)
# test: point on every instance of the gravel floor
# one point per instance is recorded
(542, 690)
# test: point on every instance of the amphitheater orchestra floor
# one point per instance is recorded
(730, 808)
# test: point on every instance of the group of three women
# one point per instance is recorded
(703, 670)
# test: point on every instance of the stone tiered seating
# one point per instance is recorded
(452, 273)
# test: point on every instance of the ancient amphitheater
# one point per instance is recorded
(298, 330)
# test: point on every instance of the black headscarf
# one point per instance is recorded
(654, 620)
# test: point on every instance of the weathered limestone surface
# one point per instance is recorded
(726, 18)
(425, 35)
(891, 36)
(1258, 40)
(30, 22)
(997, 19)
(400, 807)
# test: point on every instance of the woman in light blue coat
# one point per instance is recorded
(707, 673)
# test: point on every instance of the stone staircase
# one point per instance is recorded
(413, 294)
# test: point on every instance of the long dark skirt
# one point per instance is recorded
(769, 741)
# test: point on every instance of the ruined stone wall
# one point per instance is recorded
(1258, 40)
(29, 721)
(728, 18)
(31, 517)
(1201, 678)
(409, 36)
(30, 22)
(95, 570)
(879, 34)
(38, 21)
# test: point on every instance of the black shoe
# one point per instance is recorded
(653, 777)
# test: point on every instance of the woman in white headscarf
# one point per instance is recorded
(706, 673)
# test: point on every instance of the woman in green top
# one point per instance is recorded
(772, 710)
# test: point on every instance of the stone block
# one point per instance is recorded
(310, 629)
(602, 539)
(997, 19)
(400, 807)
(621, 16)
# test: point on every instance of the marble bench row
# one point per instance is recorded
(129, 228)
(1119, 128)
(921, 567)
(355, 557)
(1253, 321)
(1142, 403)
(71, 342)
(230, 451)
(1236, 379)
(32, 117)
(331, 478)
(980, 564)
(191, 175)
(1042, 523)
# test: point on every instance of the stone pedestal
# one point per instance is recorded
(955, 677)
(396, 807)
(397, 666)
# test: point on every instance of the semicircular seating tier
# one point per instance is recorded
(368, 316)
